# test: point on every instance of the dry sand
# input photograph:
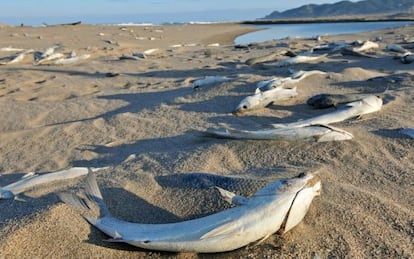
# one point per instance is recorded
(142, 123)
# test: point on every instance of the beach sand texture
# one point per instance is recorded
(142, 118)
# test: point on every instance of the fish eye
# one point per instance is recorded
(244, 107)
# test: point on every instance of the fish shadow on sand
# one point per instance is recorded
(240, 185)
(391, 133)
(216, 104)
(339, 63)
(16, 209)
(135, 103)
(180, 73)
(245, 122)
(172, 147)
(63, 70)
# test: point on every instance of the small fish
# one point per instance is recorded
(407, 59)
(367, 105)
(50, 57)
(366, 45)
(149, 52)
(135, 56)
(209, 80)
(11, 49)
(351, 52)
(18, 58)
(302, 58)
(396, 48)
(279, 206)
(71, 60)
(49, 51)
(267, 58)
(262, 99)
(315, 133)
(31, 180)
(295, 77)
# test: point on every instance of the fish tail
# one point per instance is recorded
(93, 194)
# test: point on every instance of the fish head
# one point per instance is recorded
(301, 204)
(333, 134)
(249, 103)
(374, 102)
(284, 186)
(6, 194)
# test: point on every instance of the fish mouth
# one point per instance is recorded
(237, 112)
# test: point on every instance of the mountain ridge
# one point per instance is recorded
(346, 8)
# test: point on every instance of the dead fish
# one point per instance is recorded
(396, 48)
(49, 51)
(31, 180)
(314, 133)
(407, 59)
(134, 56)
(321, 101)
(295, 77)
(209, 80)
(71, 60)
(302, 58)
(332, 46)
(266, 58)
(11, 49)
(18, 58)
(366, 45)
(366, 105)
(351, 52)
(279, 206)
(49, 58)
(270, 84)
(262, 99)
(301, 74)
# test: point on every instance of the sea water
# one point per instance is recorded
(305, 30)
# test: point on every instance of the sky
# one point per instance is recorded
(96, 11)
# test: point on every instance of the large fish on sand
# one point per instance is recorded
(279, 206)
(262, 99)
(32, 180)
(316, 133)
(366, 105)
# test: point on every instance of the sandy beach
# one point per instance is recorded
(142, 119)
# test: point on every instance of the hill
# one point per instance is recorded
(346, 8)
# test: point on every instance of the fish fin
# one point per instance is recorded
(257, 91)
(230, 228)
(93, 221)
(73, 200)
(231, 197)
(18, 198)
(94, 194)
(29, 175)
(260, 241)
